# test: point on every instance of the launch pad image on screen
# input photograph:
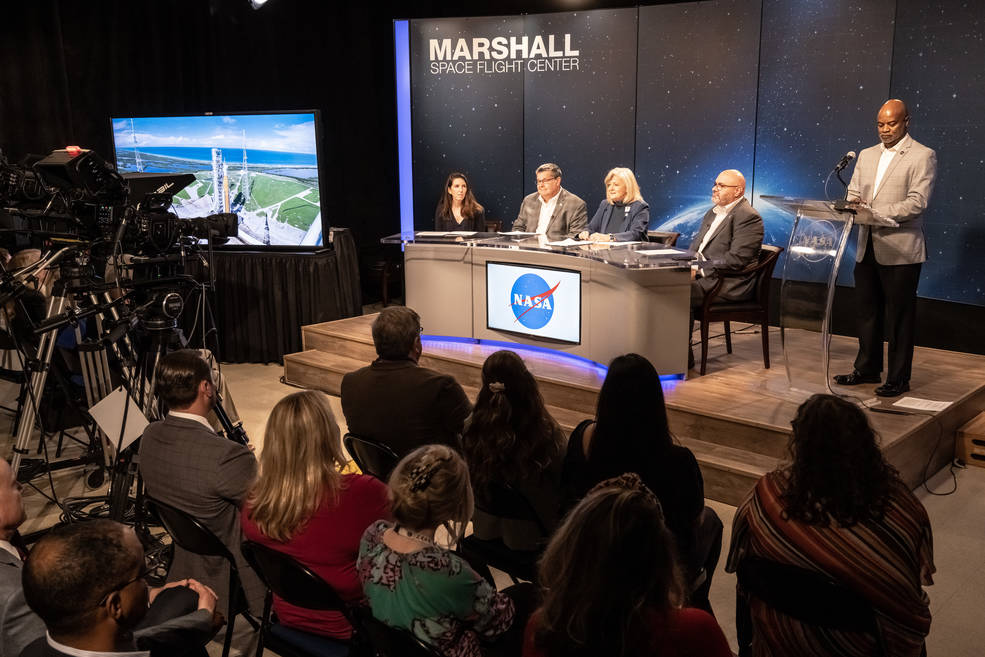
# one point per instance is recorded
(262, 167)
(542, 302)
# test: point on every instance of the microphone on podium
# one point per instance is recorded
(845, 159)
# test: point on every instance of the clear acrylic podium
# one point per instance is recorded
(810, 272)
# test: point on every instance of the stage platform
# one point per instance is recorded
(734, 418)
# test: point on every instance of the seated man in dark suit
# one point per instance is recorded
(185, 464)
(397, 402)
(86, 582)
(730, 238)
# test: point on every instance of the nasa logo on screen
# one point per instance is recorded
(532, 300)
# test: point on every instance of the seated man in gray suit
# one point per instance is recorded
(186, 465)
(397, 402)
(551, 210)
(85, 582)
(892, 180)
(730, 238)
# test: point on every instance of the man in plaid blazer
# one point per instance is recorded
(892, 180)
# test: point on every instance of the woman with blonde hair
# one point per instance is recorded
(623, 216)
(411, 581)
(303, 506)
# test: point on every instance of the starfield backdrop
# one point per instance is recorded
(779, 89)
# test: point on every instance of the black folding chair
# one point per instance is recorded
(298, 585)
(373, 458)
(192, 535)
(805, 595)
(391, 641)
(504, 501)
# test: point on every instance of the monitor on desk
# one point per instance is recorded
(542, 302)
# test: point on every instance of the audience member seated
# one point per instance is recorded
(630, 434)
(457, 208)
(840, 509)
(623, 215)
(86, 582)
(302, 506)
(611, 584)
(396, 401)
(511, 439)
(413, 583)
(185, 464)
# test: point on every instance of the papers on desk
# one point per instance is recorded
(917, 404)
(516, 232)
(566, 242)
(444, 233)
(656, 252)
(573, 242)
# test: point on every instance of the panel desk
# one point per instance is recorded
(631, 301)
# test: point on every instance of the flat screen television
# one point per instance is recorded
(541, 302)
(262, 166)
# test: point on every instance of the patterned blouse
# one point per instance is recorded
(887, 561)
(433, 593)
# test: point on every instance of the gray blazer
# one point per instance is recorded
(735, 244)
(570, 216)
(189, 467)
(19, 626)
(903, 195)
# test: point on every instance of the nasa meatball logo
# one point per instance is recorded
(532, 300)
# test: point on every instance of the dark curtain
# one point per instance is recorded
(262, 299)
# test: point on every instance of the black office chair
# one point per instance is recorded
(391, 641)
(806, 595)
(665, 237)
(193, 536)
(504, 501)
(755, 310)
(298, 585)
(373, 458)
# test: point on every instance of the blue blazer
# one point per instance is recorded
(624, 227)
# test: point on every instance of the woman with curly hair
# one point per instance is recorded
(612, 585)
(840, 509)
(512, 439)
(415, 584)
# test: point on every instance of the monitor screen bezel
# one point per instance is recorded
(319, 138)
(531, 336)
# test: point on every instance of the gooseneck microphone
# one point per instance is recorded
(845, 159)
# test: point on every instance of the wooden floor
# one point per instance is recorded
(736, 418)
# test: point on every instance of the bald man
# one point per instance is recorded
(892, 180)
(730, 237)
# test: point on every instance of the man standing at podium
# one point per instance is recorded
(892, 180)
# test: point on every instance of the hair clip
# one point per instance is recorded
(420, 476)
(496, 386)
(628, 481)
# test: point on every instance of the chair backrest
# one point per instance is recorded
(290, 580)
(391, 641)
(504, 501)
(768, 256)
(373, 458)
(665, 237)
(187, 531)
(494, 225)
(808, 596)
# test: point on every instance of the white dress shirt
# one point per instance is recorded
(76, 652)
(720, 213)
(191, 416)
(6, 545)
(885, 159)
(546, 212)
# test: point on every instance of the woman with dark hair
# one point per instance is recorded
(611, 584)
(630, 434)
(457, 208)
(838, 508)
(512, 439)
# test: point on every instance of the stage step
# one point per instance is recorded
(318, 370)
(729, 473)
(729, 431)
